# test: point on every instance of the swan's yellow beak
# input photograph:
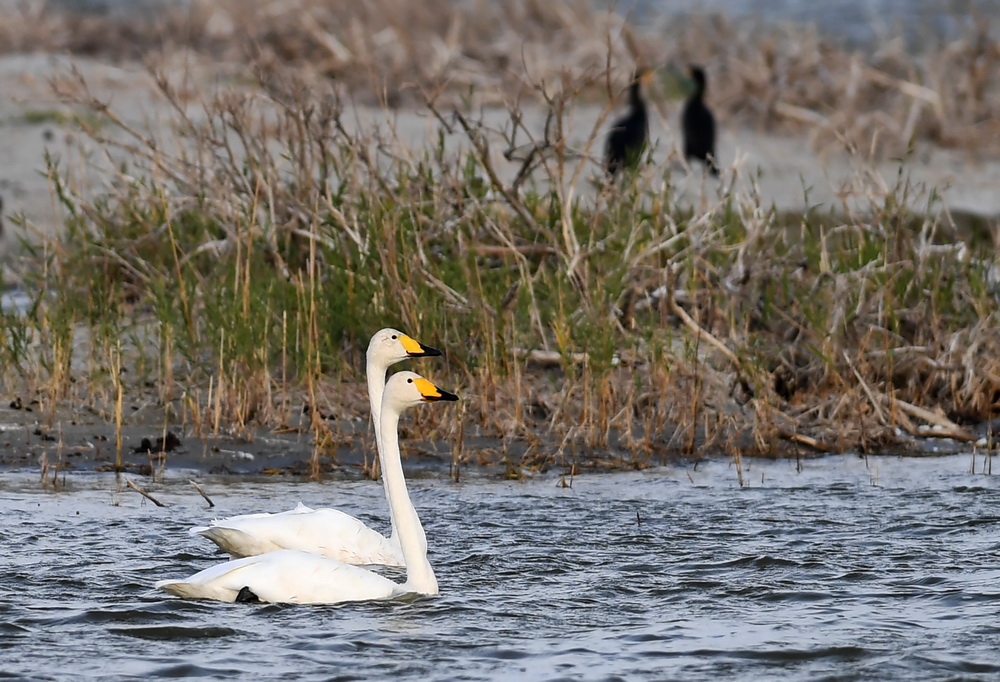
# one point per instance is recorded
(415, 349)
(432, 393)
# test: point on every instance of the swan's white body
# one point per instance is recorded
(328, 532)
(294, 576)
(286, 576)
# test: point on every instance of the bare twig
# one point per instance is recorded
(808, 441)
(202, 493)
(142, 492)
(701, 333)
(948, 428)
(523, 249)
(876, 403)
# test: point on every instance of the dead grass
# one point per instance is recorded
(246, 254)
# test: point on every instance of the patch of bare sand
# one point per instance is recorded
(786, 170)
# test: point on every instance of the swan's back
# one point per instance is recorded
(328, 532)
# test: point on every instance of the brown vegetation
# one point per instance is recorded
(240, 260)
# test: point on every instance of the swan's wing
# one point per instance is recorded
(329, 532)
(235, 521)
(238, 543)
(338, 535)
(285, 576)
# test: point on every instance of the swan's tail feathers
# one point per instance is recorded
(197, 530)
(178, 588)
(236, 542)
(184, 590)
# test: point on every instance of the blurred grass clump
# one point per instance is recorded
(236, 261)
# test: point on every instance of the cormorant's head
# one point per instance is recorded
(697, 75)
(643, 75)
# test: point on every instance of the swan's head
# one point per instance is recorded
(389, 346)
(406, 389)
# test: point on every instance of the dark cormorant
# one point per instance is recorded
(699, 124)
(628, 135)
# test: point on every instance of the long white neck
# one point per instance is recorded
(412, 540)
(375, 372)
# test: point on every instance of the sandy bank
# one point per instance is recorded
(789, 171)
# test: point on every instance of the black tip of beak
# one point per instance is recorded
(444, 395)
(426, 352)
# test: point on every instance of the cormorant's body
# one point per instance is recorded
(628, 135)
(698, 124)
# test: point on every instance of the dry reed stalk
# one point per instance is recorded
(116, 372)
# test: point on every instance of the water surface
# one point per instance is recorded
(854, 569)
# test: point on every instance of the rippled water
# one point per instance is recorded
(850, 569)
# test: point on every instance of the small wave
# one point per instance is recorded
(171, 632)
(840, 653)
(759, 561)
(960, 665)
(186, 670)
(126, 615)
(13, 629)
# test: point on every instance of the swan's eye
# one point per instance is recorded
(409, 381)
(394, 337)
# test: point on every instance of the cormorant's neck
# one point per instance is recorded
(699, 90)
(635, 96)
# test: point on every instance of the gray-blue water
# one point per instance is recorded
(849, 569)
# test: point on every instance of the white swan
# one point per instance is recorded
(298, 577)
(328, 532)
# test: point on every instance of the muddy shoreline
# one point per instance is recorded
(79, 446)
